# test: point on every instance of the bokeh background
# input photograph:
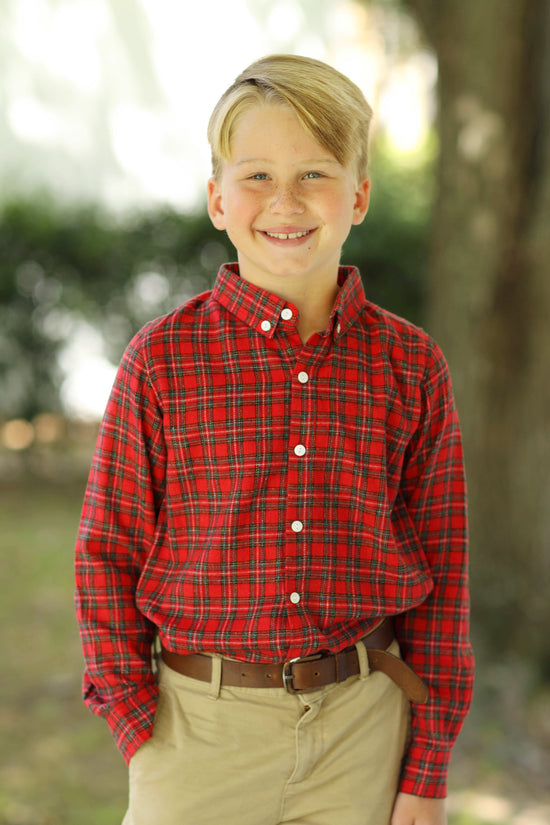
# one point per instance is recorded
(103, 163)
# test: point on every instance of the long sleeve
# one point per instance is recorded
(122, 521)
(435, 635)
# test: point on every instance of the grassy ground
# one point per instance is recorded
(58, 765)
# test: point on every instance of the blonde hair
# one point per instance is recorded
(328, 104)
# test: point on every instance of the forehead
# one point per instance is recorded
(267, 130)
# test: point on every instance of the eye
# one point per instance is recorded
(259, 176)
(312, 175)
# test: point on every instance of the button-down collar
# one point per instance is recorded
(350, 300)
(263, 311)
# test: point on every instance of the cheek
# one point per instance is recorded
(339, 214)
(244, 204)
(336, 206)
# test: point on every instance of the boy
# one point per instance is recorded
(277, 499)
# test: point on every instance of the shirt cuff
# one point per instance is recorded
(131, 720)
(425, 772)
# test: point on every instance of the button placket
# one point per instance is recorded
(297, 529)
(302, 413)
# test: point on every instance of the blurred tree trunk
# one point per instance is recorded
(489, 295)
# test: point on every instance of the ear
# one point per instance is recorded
(215, 203)
(362, 198)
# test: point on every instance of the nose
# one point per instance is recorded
(286, 202)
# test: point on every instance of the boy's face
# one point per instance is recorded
(285, 201)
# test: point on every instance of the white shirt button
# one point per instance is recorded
(266, 326)
(294, 597)
(299, 449)
(338, 328)
(286, 314)
(297, 526)
(303, 377)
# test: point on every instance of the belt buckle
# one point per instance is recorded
(288, 676)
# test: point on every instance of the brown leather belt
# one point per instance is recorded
(307, 673)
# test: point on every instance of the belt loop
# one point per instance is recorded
(216, 678)
(364, 668)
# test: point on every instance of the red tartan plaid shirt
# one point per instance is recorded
(262, 498)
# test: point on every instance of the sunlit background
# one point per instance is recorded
(109, 101)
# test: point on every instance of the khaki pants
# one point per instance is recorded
(253, 756)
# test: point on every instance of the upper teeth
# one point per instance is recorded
(290, 235)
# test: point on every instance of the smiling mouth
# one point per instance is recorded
(288, 236)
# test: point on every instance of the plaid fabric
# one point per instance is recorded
(264, 499)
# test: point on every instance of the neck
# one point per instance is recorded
(314, 307)
(314, 313)
(314, 301)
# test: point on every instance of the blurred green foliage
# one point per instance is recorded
(61, 266)
(391, 247)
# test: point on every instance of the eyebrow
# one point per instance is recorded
(307, 161)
